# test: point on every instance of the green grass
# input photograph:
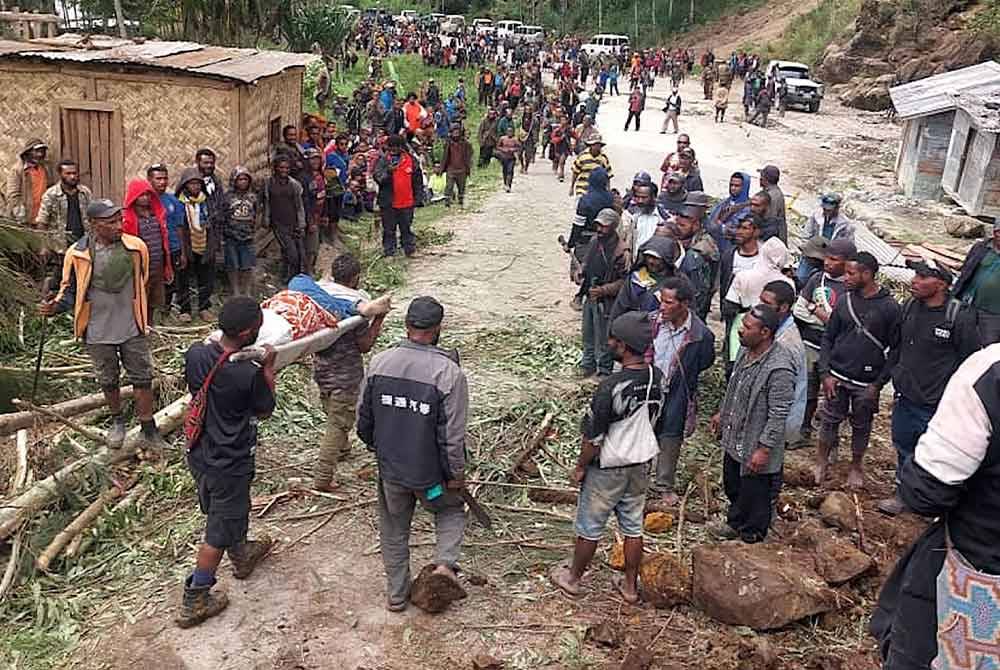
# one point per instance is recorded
(807, 36)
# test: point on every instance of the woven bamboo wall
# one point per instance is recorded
(25, 111)
(167, 122)
(280, 95)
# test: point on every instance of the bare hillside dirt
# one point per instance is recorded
(758, 25)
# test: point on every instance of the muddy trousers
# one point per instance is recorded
(850, 403)
(340, 408)
(292, 251)
(749, 500)
(395, 506)
(201, 268)
(452, 181)
(596, 357)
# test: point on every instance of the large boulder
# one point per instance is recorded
(433, 592)
(762, 586)
(837, 510)
(835, 558)
(665, 580)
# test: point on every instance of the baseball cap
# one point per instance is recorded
(771, 173)
(830, 200)
(691, 211)
(634, 329)
(697, 199)
(841, 248)
(642, 177)
(674, 175)
(595, 139)
(928, 267)
(608, 217)
(424, 312)
(102, 209)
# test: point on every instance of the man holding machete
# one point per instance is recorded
(412, 414)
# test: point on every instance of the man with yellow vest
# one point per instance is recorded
(104, 283)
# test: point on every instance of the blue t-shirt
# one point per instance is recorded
(176, 219)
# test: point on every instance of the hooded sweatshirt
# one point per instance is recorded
(638, 293)
(723, 217)
(848, 353)
(196, 210)
(596, 198)
(131, 225)
(244, 208)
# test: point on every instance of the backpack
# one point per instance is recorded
(951, 311)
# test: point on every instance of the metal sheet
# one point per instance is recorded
(204, 56)
(251, 67)
(153, 49)
(934, 94)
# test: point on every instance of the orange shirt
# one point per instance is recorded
(413, 111)
(38, 187)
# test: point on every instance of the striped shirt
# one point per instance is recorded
(586, 163)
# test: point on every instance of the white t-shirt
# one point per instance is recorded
(741, 262)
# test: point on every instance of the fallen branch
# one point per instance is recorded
(334, 512)
(80, 543)
(10, 573)
(10, 423)
(861, 526)
(536, 442)
(50, 371)
(680, 517)
(77, 525)
(21, 472)
(69, 423)
(532, 510)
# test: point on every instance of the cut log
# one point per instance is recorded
(89, 433)
(21, 472)
(10, 423)
(536, 443)
(16, 511)
(77, 525)
(10, 572)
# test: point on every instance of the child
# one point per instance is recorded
(314, 200)
(238, 240)
(201, 263)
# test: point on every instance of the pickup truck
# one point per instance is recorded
(802, 89)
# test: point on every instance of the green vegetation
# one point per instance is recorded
(808, 35)
(986, 22)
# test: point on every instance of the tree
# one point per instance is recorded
(309, 23)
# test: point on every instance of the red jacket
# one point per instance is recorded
(130, 220)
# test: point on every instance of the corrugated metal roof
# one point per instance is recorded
(933, 95)
(242, 65)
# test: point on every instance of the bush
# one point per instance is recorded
(807, 36)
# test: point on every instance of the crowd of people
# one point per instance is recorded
(662, 272)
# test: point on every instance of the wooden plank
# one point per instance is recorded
(91, 105)
(100, 179)
(82, 148)
(945, 251)
(117, 148)
(104, 140)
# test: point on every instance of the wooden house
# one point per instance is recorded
(972, 170)
(117, 106)
(927, 109)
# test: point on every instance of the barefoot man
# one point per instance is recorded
(855, 346)
(414, 401)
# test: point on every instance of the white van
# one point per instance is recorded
(529, 34)
(482, 26)
(600, 45)
(453, 23)
(506, 29)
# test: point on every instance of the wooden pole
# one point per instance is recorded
(84, 519)
(15, 421)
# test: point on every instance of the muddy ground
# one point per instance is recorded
(319, 602)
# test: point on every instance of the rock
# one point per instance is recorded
(616, 558)
(606, 634)
(657, 522)
(486, 662)
(837, 510)
(552, 497)
(757, 585)
(838, 561)
(664, 580)
(964, 227)
(758, 653)
(476, 579)
(433, 592)
(638, 658)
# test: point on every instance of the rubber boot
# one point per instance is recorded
(247, 555)
(116, 436)
(199, 604)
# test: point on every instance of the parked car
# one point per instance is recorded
(406, 16)
(505, 29)
(802, 89)
(482, 26)
(606, 44)
(453, 23)
(529, 34)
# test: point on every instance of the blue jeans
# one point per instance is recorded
(596, 356)
(619, 490)
(909, 422)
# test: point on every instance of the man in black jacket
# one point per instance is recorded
(850, 362)
(979, 285)
(414, 402)
(931, 339)
(605, 264)
(954, 475)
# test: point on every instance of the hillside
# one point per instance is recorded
(897, 41)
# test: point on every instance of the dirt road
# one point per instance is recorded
(320, 603)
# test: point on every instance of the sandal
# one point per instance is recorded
(559, 575)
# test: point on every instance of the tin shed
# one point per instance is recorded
(972, 170)
(927, 110)
(117, 107)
